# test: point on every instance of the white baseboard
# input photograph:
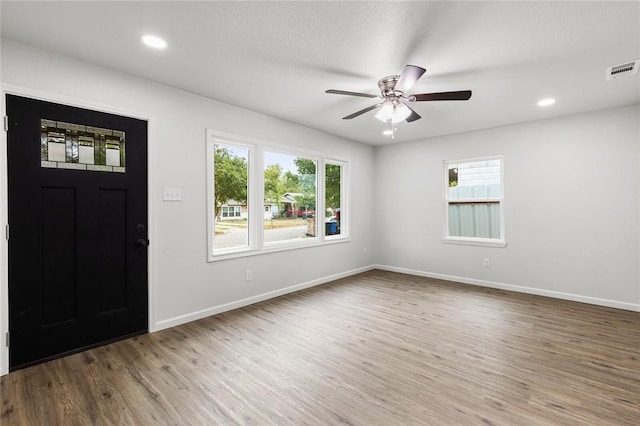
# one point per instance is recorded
(520, 289)
(182, 319)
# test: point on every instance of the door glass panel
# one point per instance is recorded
(75, 146)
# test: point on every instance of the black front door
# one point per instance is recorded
(77, 184)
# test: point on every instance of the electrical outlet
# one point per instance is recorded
(486, 262)
(248, 275)
(364, 251)
(172, 194)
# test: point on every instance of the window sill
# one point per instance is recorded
(483, 242)
(275, 248)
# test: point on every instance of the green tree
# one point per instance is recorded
(230, 179)
(332, 186)
(290, 182)
(307, 182)
(273, 183)
(305, 166)
(453, 177)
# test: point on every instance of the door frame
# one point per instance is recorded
(9, 89)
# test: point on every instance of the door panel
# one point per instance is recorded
(112, 259)
(77, 194)
(58, 255)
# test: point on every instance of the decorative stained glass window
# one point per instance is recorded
(79, 147)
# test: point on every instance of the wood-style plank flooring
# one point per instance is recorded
(378, 348)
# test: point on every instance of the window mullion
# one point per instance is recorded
(320, 199)
(257, 199)
(476, 201)
(345, 199)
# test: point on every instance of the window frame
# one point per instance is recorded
(344, 187)
(255, 197)
(474, 241)
(212, 141)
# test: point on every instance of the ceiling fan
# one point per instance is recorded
(395, 102)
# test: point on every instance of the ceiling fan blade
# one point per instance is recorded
(362, 111)
(343, 92)
(461, 95)
(413, 117)
(408, 78)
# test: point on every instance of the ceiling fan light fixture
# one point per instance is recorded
(393, 111)
(400, 113)
(386, 112)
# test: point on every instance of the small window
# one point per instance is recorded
(231, 212)
(474, 202)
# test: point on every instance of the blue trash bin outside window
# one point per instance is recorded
(331, 228)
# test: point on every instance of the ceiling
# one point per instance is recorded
(279, 57)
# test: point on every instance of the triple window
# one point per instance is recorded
(266, 198)
(474, 202)
(231, 211)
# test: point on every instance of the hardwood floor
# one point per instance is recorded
(376, 348)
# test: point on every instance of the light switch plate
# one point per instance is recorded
(172, 194)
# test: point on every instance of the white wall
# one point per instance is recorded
(572, 201)
(184, 285)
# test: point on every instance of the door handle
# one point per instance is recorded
(142, 242)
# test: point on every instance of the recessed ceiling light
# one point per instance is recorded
(387, 132)
(153, 41)
(546, 102)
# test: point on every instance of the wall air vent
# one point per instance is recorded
(622, 70)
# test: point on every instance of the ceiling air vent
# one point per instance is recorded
(622, 70)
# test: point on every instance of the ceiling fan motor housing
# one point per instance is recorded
(387, 86)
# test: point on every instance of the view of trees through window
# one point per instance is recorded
(231, 177)
(290, 194)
